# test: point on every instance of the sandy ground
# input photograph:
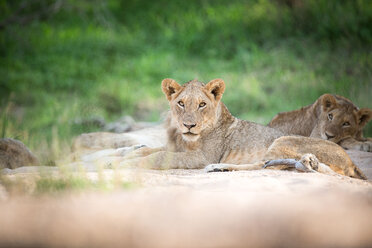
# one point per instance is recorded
(191, 208)
(363, 160)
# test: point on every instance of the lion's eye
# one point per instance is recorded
(202, 104)
(330, 117)
(346, 124)
(181, 103)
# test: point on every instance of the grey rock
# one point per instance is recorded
(126, 124)
(117, 127)
(97, 121)
(13, 154)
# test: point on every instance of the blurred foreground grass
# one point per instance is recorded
(107, 58)
(63, 181)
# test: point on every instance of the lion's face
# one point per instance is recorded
(194, 106)
(340, 119)
(338, 124)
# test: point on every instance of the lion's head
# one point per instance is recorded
(339, 118)
(194, 106)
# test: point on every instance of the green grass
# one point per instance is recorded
(272, 57)
(63, 182)
(52, 185)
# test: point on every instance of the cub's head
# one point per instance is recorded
(194, 106)
(340, 118)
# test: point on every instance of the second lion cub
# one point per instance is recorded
(330, 117)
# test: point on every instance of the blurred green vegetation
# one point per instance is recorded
(64, 181)
(62, 60)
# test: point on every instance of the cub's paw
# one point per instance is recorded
(308, 163)
(362, 146)
(351, 144)
(217, 168)
(366, 146)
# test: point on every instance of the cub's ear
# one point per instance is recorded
(216, 87)
(364, 116)
(169, 87)
(328, 101)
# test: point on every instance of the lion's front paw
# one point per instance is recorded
(126, 150)
(366, 146)
(217, 168)
(137, 151)
(351, 144)
(362, 146)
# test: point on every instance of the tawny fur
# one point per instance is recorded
(330, 117)
(202, 131)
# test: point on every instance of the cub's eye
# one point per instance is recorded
(330, 117)
(181, 103)
(202, 104)
(346, 124)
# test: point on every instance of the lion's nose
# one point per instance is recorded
(189, 126)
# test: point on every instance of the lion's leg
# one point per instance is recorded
(353, 144)
(143, 152)
(120, 152)
(161, 160)
(289, 163)
(233, 167)
(307, 163)
(327, 152)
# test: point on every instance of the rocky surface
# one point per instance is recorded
(363, 160)
(127, 124)
(90, 142)
(122, 125)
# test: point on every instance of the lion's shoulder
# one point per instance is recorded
(298, 122)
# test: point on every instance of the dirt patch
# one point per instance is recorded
(363, 160)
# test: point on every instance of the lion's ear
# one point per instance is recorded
(169, 87)
(328, 101)
(216, 87)
(364, 116)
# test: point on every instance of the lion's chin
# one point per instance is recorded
(190, 137)
(327, 137)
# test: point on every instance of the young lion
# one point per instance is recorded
(201, 131)
(330, 117)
